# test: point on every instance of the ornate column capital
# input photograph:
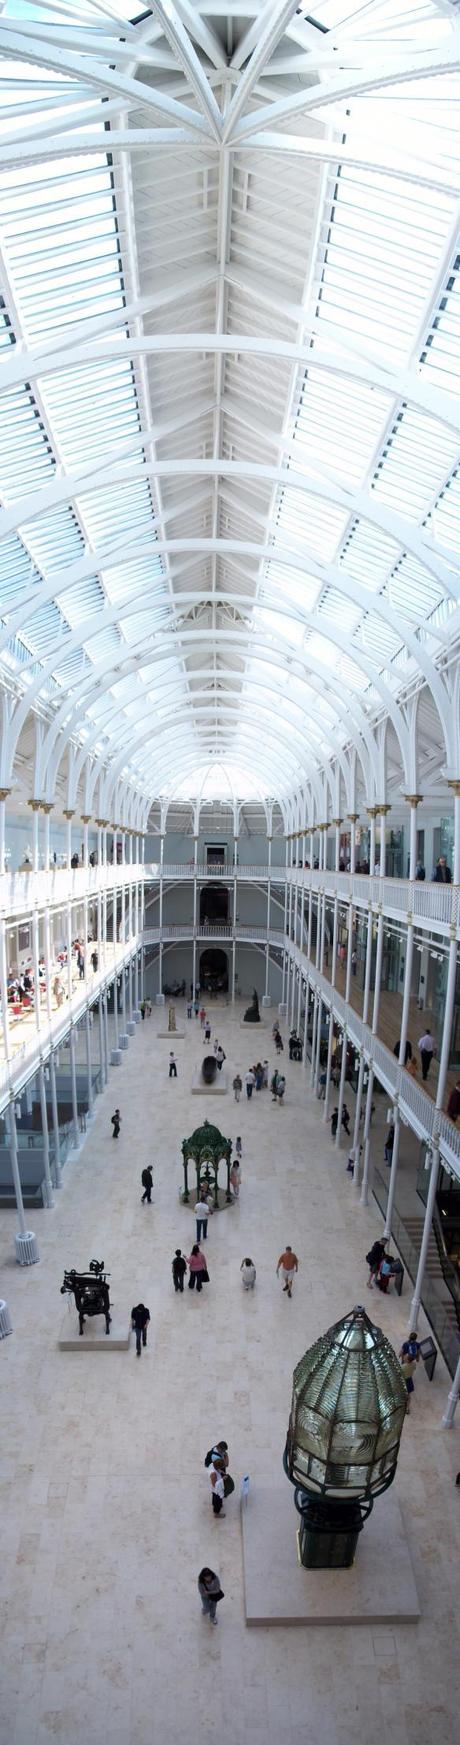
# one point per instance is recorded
(47, 807)
(337, 822)
(381, 811)
(413, 799)
(34, 805)
(353, 817)
(454, 783)
(4, 793)
(86, 817)
(372, 811)
(69, 811)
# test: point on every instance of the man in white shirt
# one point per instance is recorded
(426, 1046)
(172, 1066)
(201, 1215)
(250, 1082)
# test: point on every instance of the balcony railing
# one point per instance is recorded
(187, 869)
(20, 892)
(426, 903)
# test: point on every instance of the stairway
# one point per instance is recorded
(414, 1227)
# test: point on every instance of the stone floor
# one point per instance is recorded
(106, 1509)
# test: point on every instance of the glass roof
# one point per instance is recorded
(287, 304)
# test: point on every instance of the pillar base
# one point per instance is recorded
(115, 1058)
(47, 1196)
(266, 1000)
(26, 1248)
(123, 1040)
(131, 1027)
(5, 1320)
(159, 999)
(136, 1017)
(282, 1009)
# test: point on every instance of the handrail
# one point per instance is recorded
(21, 892)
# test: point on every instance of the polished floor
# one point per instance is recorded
(106, 1509)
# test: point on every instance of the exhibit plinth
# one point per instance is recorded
(94, 1336)
(379, 1588)
(218, 1087)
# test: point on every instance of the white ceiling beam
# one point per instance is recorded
(185, 53)
(270, 27)
(402, 383)
(202, 33)
(91, 72)
(420, 65)
(438, 560)
(406, 169)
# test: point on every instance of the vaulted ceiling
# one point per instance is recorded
(230, 319)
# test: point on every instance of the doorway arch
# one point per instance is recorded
(214, 970)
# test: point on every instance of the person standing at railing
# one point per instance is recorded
(442, 873)
(420, 872)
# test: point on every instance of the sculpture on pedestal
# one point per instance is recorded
(206, 1149)
(252, 1014)
(171, 1018)
(348, 1407)
(91, 1292)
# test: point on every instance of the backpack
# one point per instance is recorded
(208, 1457)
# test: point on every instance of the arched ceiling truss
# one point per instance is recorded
(229, 485)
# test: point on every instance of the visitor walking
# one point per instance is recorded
(140, 1318)
(389, 1143)
(250, 1082)
(409, 1357)
(201, 1215)
(220, 1056)
(94, 960)
(179, 1268)
(279, 1044)
(235, 1177)
(427, 1047)
(374, 1259)
(81, 963)
(198, 1271)
(237, 1087)
(248, 1274)
(147, 1183)
(116, 1123)
(288, 1265)
(265, 1075)
(210, 1593)
(142, 1010)
(280, 1087)
(202, 1017)
(189, 1008)
(238, 1148)
(218, 1455)
(207, 1030)
(172, 1065)
(407, 1050)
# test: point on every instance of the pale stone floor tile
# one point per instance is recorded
(105, 1499)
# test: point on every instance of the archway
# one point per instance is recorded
(214, 970)
(214, 901)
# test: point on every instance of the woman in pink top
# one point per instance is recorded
(196, 1263)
